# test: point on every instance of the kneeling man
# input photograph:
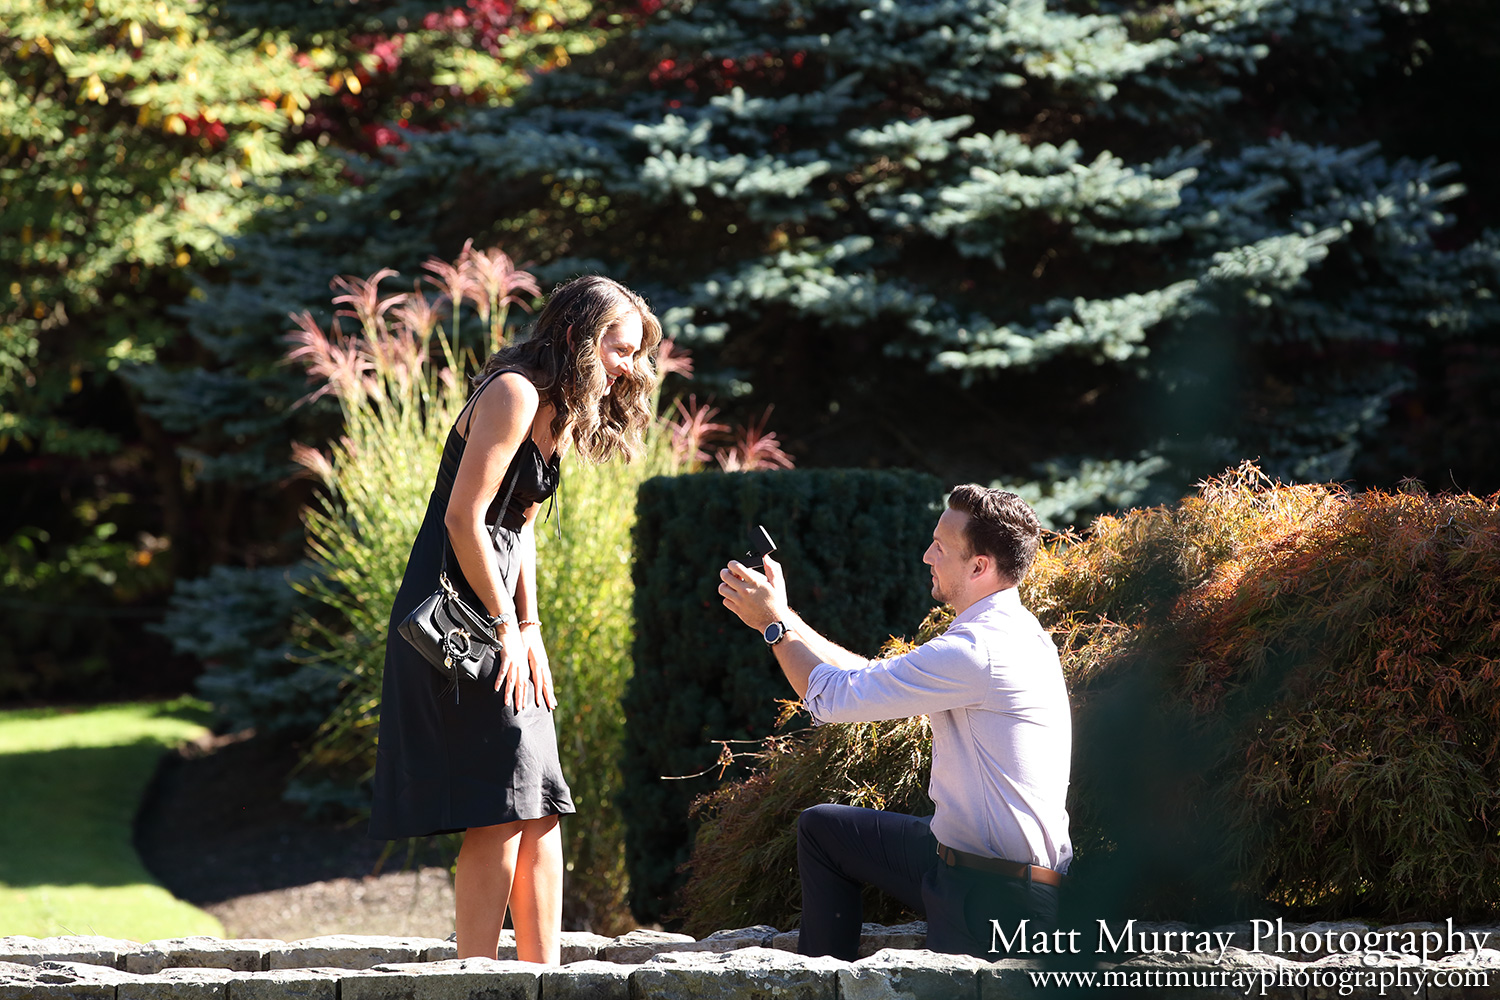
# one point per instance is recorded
(997, 846)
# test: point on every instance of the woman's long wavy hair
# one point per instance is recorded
(561, 356)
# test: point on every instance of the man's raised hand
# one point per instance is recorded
(757, 599)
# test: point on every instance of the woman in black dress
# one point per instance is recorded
(485, 762)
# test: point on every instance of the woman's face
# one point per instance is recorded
(619, 346)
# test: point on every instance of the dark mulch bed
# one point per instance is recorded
(215, 831)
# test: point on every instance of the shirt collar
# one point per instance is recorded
(1006, 600)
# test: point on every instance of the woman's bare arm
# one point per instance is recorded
(527, 609)
(526, 606)
(501, 422)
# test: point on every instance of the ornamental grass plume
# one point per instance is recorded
(1285, 703)
(419, 316)
(362, 296)
(692, 428)
(754, 448)
(335, 365)
(455, 283)
(494, 284)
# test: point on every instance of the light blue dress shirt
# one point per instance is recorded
(1002, 731)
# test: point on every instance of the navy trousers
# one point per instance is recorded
(842, 848)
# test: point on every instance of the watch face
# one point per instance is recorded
(774, 632)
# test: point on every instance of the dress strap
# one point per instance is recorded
(468, 407)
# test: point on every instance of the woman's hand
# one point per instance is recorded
(512, 655)
(541, 669)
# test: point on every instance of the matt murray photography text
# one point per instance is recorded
(1265, 936)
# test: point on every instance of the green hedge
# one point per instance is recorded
(851, 543)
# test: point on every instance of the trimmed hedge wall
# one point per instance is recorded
(851, 542)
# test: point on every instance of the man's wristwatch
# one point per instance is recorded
(774, 633)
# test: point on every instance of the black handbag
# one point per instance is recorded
(451, 635)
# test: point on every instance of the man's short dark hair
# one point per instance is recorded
(1001, 525)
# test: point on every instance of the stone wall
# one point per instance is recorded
(753, 963)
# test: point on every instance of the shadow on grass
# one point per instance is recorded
(72, 780)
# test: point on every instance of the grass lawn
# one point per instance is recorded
(70, 783)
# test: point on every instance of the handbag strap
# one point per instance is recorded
(494, 533)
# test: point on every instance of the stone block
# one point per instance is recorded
(758, 936)
(1466, 976)
(1415, 931)
(349, 951)
(581, 946)
(1277, 977)
(1241, 934)
(875, 938)
(577, 946)
(588, 980)
(1493, 930)
(905, 974)
(872, 938)
(640, 945)
(1340, 976)
(441, 951)
(23, 950)
(453, 979)
(1008, 979)
(59, 981)
(742, 974)
(241, 955)
(285, 984)
(786, 941)
(197, 983)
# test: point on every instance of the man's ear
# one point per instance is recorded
(983, 564)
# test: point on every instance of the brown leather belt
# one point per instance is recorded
(999, 866)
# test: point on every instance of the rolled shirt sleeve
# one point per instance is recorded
(947, 672)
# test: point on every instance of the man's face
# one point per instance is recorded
(948, 555)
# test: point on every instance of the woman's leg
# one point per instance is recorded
(482, 887)
(536, 900)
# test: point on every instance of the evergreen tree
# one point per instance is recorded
(137, 139)
(1119, 249)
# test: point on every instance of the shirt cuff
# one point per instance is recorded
(817, 680)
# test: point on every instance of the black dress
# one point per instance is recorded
(445, 764)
